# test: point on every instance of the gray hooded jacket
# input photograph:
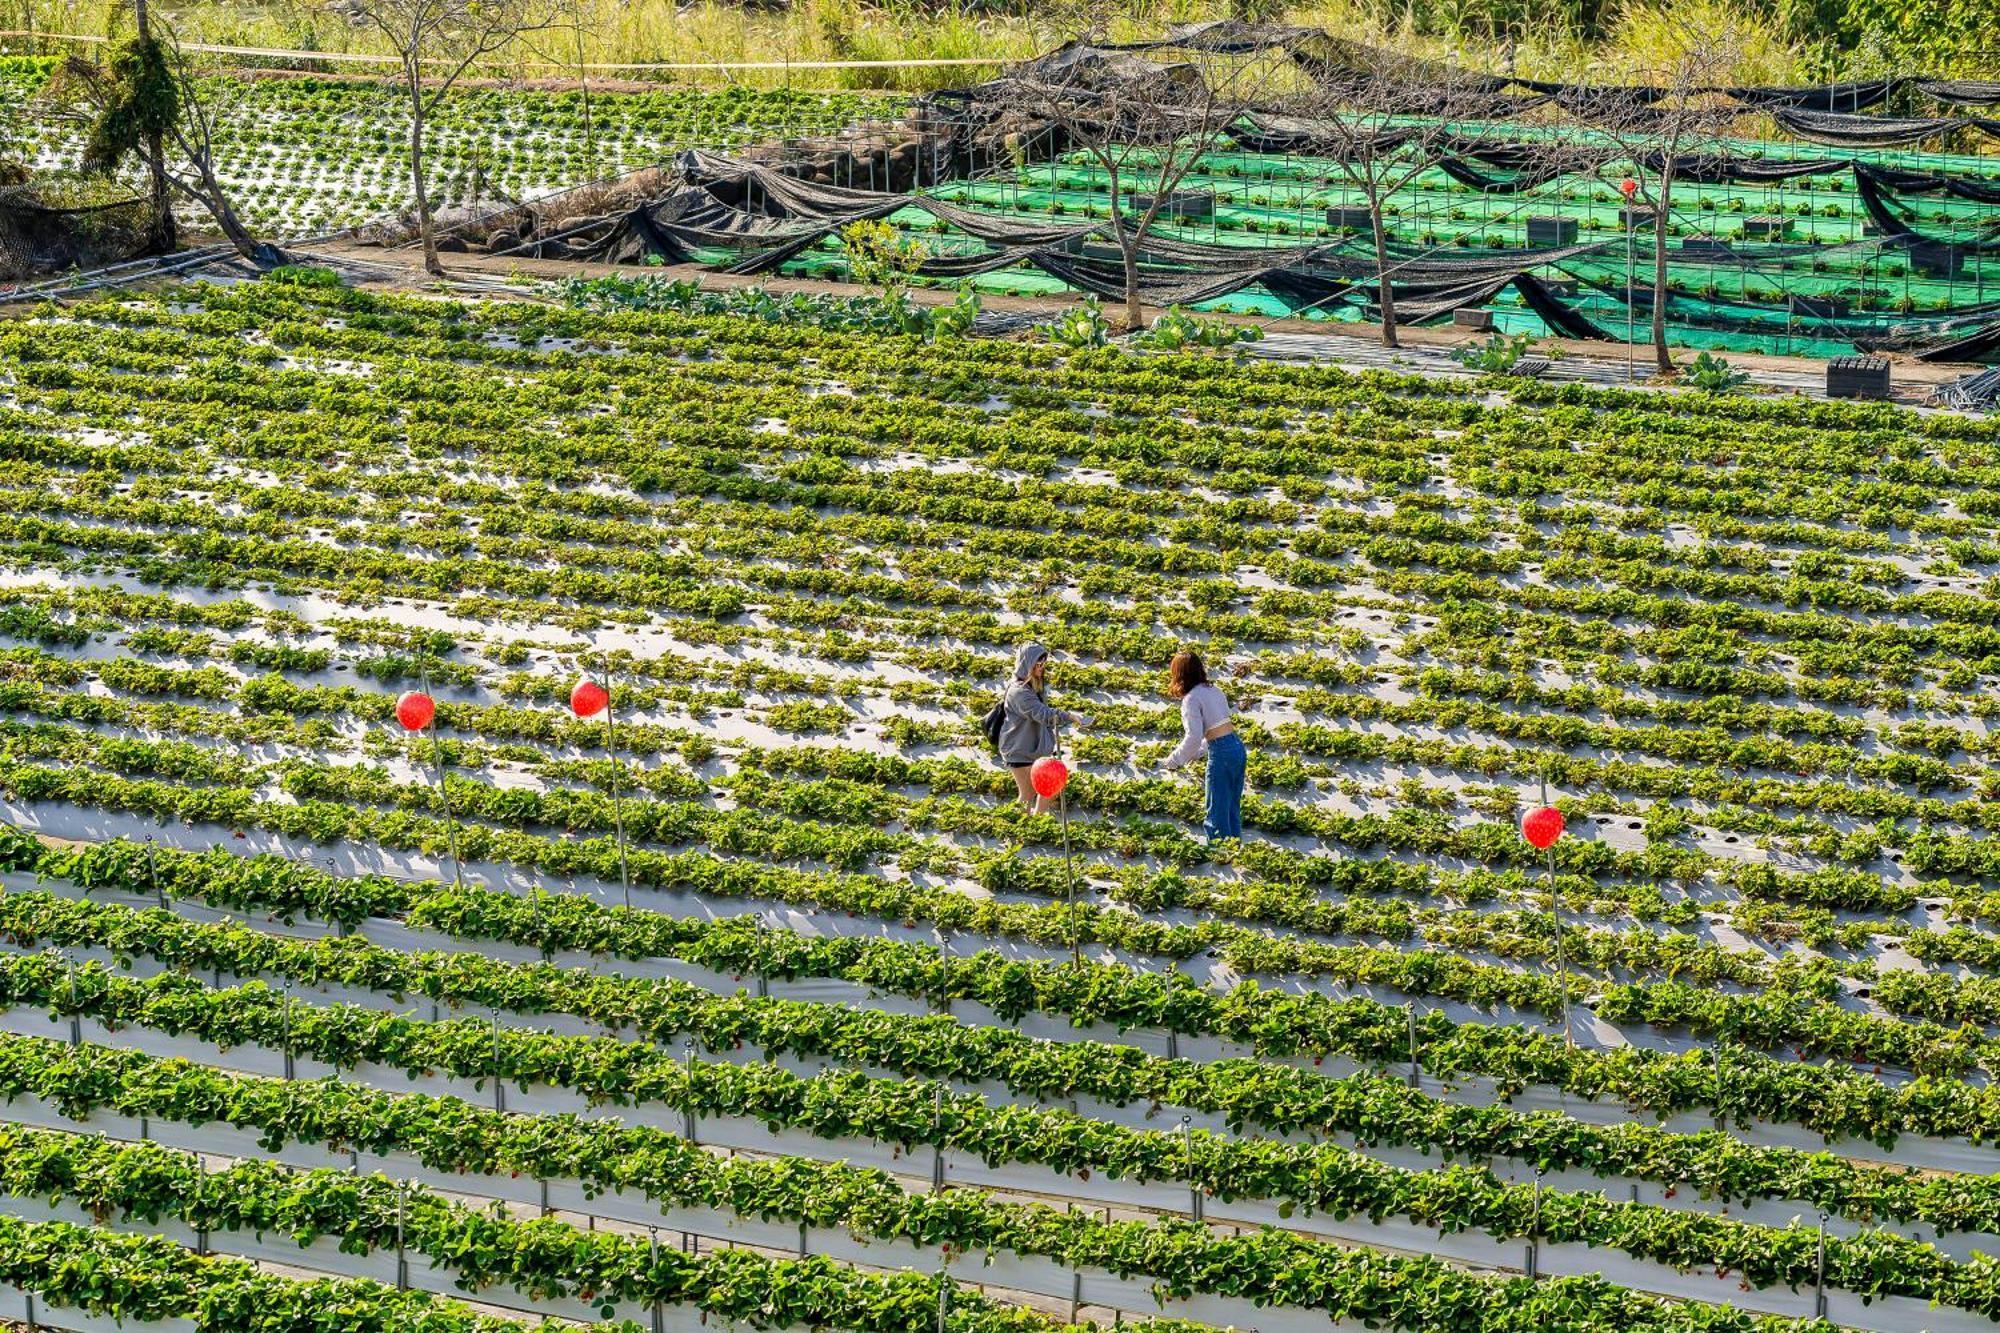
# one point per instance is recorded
(1029, 731)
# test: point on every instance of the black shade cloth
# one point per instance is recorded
(1874, 185)
(1849, 97)
(1720, 168)
(1265, 133)
(1527, 178)
(765, 218)
(1554, 312)
(1875, 131)
(1981, 345)
(1961, 92)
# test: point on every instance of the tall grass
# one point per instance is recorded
(1539, 38)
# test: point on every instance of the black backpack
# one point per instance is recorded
(996, 718)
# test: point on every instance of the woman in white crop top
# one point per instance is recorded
(1206, 729)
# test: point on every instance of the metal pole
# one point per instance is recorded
(937, 1140)
(444, 796)
(1555, 915)
(286, 1039)
(652, 1272)
(1562, 973)
(617, 800)
(75, 1008)
(402, 1261)
(499, 1083)
(1630, 278)
(687, 1112)
(1069, 877)
(1535, 1229)
(194, 1203)
(153, 870)
(1819, 1272)
(1410, 1014)
(1194, 1186)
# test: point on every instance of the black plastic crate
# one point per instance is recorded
(1858, 377)
(1353, 219)
(1189, 204)
(1551, 231)
(1819, 307)
(1766, 227)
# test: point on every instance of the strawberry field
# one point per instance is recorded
(292, 1037)
(304, 155)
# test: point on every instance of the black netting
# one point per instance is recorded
(763, 219)
(38, 237)
(1875, 131)
(1961, 92)
(1875, 185)
(1849, 97)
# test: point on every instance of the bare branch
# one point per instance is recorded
(452, 35)
(1146, 123)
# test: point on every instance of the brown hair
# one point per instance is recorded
(1184, 673)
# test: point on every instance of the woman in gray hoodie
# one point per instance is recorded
(1029, 729)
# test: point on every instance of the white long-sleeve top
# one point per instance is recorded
(1202, 707)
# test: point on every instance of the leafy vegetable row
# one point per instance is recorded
(1832, 1101)
(836, 1105)
(1374, 1109)
(1413, 1293)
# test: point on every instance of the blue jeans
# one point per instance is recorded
(1225, 787)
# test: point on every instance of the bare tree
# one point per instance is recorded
(445, 38)
(1669, 125)
(146, 102)
(1145, 124)
(1381, 119)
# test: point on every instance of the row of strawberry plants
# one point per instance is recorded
(451, 1136)
(833, 1106)
(1786, 1019)
(1579, 772)
(140, 1279)
(1780, 1020)
(1372, 1109)
(1836, 1103)
(1776, 1020)
(543, 1259)
(1795, 449)
(285, 555)
(270, 696)
(1410, 832)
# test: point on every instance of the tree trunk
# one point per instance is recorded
(162, 236)
(1664, 362)
(1128, 254)
(1385, 290)
(425, 227)
(216, 200)
(1135, 314)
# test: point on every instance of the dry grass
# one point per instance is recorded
(1644, 36)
